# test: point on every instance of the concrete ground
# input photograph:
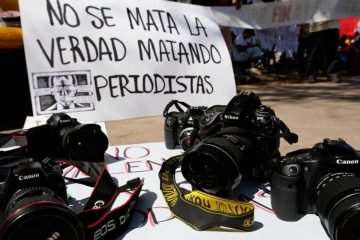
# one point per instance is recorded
(312, 110)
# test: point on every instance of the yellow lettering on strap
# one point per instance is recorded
(170, 194)
(219, 205)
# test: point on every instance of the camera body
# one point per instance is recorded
(187, 128)
(63, 136)
(256, 122)
(25, 177)
(323, 180)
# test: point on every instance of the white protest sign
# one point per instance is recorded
(275, 14)
(113, 59)
(154, 220)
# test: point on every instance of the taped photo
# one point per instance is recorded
(70, 91)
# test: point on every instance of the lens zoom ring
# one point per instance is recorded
(25, 196)
(333, 192)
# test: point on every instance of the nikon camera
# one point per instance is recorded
(248, 139)
(323, 180)
(186, 128)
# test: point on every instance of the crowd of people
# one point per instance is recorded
(319, 53)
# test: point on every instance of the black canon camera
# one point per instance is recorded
(33, 196)
(32, 188)
(249, 138)
(323, 180)
(65, 137)
(186, 128)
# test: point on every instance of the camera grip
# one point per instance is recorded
(170, 134)
(284, 196)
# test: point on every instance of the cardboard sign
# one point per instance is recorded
(107, 60)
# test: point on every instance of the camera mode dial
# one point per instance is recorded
(170, 121)
(208, 118)
(291, 170)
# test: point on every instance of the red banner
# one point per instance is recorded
(348, 26)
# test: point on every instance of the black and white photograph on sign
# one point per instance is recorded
(69, 91)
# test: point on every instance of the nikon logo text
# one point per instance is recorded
(65, 121)
(26, 177)
(231, 117)
(341, 161)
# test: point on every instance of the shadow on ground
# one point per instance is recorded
(289, 86)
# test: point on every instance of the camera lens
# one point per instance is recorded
(36, 212)
(188, 138)
(215, 164)
(348, 223)
(85, 142)
(338, 206)
(205, 173)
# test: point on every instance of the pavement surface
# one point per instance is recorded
(314, 111)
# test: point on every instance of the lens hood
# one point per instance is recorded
(85, 142)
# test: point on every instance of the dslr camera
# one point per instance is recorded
(323, 180)
(64, 137)
(248, 139)
(186, 128)
(33, 194)
(32, 189)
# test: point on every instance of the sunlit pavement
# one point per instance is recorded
(312, 110)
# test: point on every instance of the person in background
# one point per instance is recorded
(356, 40)
(247, 52)
(324, 44)
(303, 48)
(353, 54)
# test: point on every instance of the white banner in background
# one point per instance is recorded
(110, 59)
(276, 14)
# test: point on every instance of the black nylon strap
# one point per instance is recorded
(177, 104)
(200, 210)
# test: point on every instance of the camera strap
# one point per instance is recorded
(201, 210)
(177, 104)
(100, 219)
(289, 136)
